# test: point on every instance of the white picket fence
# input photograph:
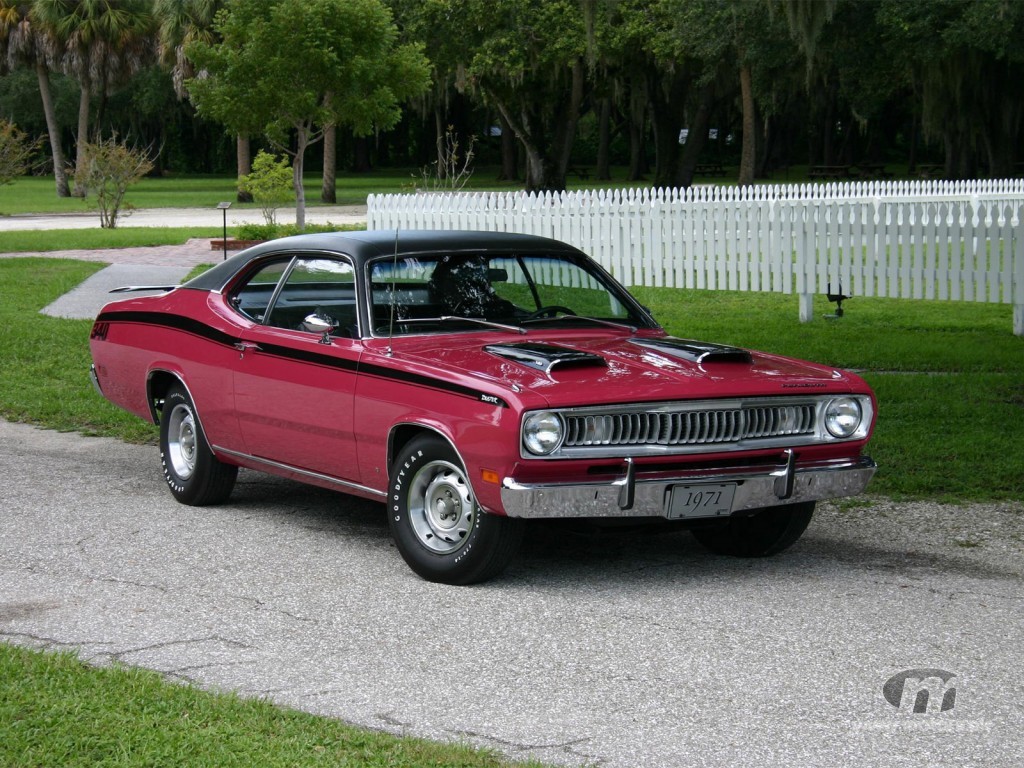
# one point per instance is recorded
(958, 241)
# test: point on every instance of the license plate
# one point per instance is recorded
(700, 501)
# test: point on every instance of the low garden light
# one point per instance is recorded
(224, 207)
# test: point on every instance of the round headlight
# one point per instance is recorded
(843, 416)
(542, 432)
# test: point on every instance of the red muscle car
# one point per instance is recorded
(471, 381)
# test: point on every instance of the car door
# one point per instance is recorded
(295, 377)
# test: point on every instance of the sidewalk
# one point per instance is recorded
(153, 265)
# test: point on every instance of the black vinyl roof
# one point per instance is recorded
(366, 245)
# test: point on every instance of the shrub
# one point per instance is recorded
(274, 231)
(452, 169)
(16, 151)
(269, 183)
(109, 167)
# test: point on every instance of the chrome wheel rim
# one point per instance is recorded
(182, 441)
(441, 507)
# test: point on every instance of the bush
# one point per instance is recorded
(274, 231)
(270, 184)
(16, 152)
(108, 169)
(451, 171)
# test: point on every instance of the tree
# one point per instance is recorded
(526, 60)
(180, 23)
(100, 43)
(22, 44)
(442, 105)
(291, 68)
(966, 61)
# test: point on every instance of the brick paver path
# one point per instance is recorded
(196, 251)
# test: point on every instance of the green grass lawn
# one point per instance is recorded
(56, 711)
(28, 241)
(35, 194)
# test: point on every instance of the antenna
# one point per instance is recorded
(394, 298)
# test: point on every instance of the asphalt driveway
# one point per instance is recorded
(624, 649)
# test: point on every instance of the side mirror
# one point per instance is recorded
(321, 324)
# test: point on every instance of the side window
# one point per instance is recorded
(510, 283)
(321, 288)
(253, 297)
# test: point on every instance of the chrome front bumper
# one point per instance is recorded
(95, 379)
(630, 497)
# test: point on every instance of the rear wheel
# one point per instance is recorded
(439, 529)
(766, 532)
(194, 475)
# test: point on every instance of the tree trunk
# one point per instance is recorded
(764, 161)
(538, 169)
(565, 125)
(667, 120)
(747, 153)
(828, 151)
(83, 135)
(697, 137)
(301, 141)
(328, 193)
(912, 149)
(637, 144)
(60, 172)
(440, 166)
(604, 140)
(361, 155)
(509, 152)
(243, 158)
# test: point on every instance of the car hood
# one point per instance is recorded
(591, 371)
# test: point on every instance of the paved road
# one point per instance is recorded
(615, 650)
(181, 217)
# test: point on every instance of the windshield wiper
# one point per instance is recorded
(599, 321)
(457, 318)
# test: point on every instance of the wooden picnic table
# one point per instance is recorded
(873, 171)
(710, 169)
(829, 172)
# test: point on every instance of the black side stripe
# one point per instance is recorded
(177, 322)
(314, 357)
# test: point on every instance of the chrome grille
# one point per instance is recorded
(701, 426)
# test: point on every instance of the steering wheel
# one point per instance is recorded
(550, 311)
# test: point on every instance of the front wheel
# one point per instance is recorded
(440, 531)
(194, 475)
(763, 533)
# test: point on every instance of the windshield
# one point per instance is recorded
(419, 294)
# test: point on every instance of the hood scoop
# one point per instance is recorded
(544, 357)
(696, 351)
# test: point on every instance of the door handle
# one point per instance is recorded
(246, 346)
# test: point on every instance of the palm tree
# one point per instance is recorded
(21, 45)
(182, 22)
(100, 43)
